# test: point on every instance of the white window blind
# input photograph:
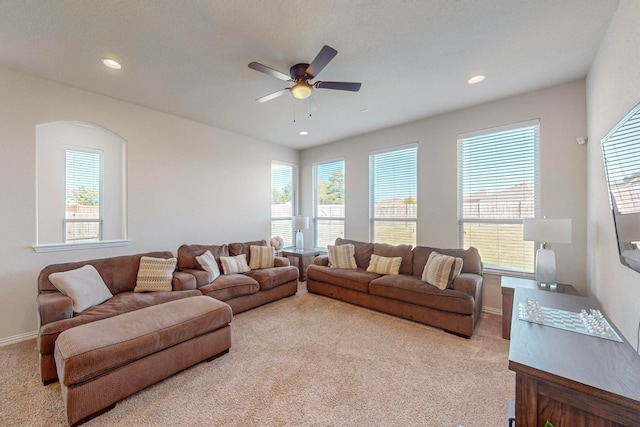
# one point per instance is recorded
(283, 201)
(393, 177)
(83, 194)
(621, 154)
(329, 202)
(497, 188)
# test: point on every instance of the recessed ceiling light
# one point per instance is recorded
(304, 133)
(111, 63)
(364, 110)
(475, 79)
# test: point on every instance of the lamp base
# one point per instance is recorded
(546, 267)
(299, 240)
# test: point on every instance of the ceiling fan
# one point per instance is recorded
(301, 73)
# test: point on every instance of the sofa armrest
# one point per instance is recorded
(53, 306)
(469, 283)
(321, 260)
(281, 261)
(183, 281)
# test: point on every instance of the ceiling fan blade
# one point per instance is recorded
(321, 60)
(353, 87)
(267, 70)
(273, 95)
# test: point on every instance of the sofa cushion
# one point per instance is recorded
(245, 248)
(187, 255)
(441, 270)
(261, 257)
(269, 278)
(209, 264)
(342, 256)
(230, 286)
(123, 302)
(356, 279)
(234, 264)
(119, 273)
(412, 290)
(384, 265)
(362, 251)
(83, 285)
(471, 262)
(155, 274)
(404, 251)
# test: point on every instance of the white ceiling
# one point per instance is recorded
(189, 58)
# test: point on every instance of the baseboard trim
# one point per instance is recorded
(18, 338)
(492, 310)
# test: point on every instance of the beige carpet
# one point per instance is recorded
(305, 361)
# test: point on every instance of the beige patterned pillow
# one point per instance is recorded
(155, 274)
(234, 264)
(440, 270)
(209, 264)
(384, 265)
(342, 256)
(83, 285)
(261, 257)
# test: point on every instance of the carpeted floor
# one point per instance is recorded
(304, 361)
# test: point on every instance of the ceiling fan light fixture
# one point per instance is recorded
(301, 90)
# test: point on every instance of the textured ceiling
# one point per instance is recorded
(189, 58)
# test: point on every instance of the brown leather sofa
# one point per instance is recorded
(55, 310)
(455, 309)
(241, 291)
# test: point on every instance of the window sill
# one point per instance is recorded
(58, 247)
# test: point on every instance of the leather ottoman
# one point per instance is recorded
(102, 362)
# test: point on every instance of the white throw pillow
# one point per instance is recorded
(155, 274)
(342, 256)
(83, 285)
(384, 265)
(440, 270)
(234, 264)
(261, 257)
(209, 264)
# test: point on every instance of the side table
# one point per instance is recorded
(300, 254)
(511, 283)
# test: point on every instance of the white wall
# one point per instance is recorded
(561, 110)
(187, 183)
(613, 89)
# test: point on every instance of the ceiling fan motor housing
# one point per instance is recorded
(299, 73)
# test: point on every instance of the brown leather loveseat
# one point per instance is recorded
(455, 309)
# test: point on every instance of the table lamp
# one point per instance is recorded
(547, 231)
(299, 223)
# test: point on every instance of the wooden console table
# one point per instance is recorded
(571, 379)
(509, 284)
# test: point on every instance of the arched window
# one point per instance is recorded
(81, 186)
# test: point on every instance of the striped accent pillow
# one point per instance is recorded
(209, 264)
(261, 257)
(342, 256)
(440, 270)
(155, 274)
(384, 265)
(234, 264)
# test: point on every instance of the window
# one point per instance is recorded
(393, 177)
(329, 202)
(81, 187)
(83, 207)
(283, 201)
(497, 188)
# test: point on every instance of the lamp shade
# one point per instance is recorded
(300, 222)
(547, 230)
